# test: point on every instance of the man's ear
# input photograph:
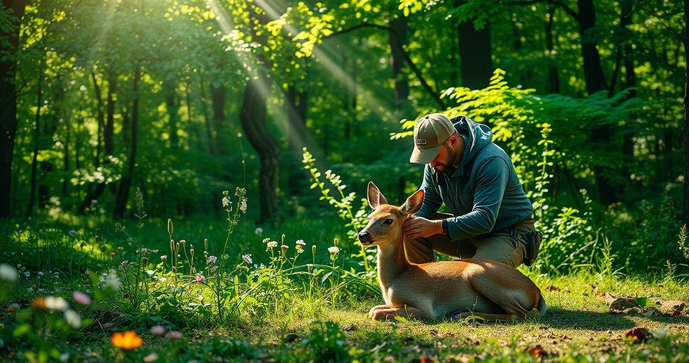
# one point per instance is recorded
(413, 203)
(375, 197)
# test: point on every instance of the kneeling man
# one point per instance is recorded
(491, 216)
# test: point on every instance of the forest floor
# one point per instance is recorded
(580, 324)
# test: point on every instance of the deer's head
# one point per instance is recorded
(385, 222)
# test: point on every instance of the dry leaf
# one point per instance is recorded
(638, 335)
(350, 327)
(538, 351)
(672, 307)
(552, 288)
(434, 332)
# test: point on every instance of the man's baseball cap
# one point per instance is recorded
(430, 132)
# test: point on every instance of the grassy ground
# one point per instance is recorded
(293, 325)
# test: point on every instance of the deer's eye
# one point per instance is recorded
(388, 221)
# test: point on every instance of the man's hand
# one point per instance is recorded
(416, 227)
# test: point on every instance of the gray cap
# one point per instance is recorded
(430, 132)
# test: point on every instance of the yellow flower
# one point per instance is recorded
(126, 340)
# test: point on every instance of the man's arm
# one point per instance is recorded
(491, 182)
(431, 200)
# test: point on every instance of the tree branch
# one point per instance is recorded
(559, 3)
(433, 93)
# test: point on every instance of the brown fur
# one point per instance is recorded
(488, 289)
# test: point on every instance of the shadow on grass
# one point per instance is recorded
(591, 320)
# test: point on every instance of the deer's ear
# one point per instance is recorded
(413, 203)
(375, 197)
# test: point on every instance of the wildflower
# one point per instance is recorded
(174, 335)
(272, 244)
(119, 249)
(242, 206)
(94, 202)
(124, 264)
(13, 307)
(211, 260)
(126, 340)
(200, 278)
(72, 233)
(112, 281)
(81, 298)
(144, 250)
(259, 231)
(226, 202)
(51, 303)
(8, 273)
(183, 241)
(158, 330)
(40, 273)
(214, 268)
(151, 357)
(73, 319)
(301, 242)
(27, 274)
(163, 258)
(284, 247)
(247, 258)
(334, 250)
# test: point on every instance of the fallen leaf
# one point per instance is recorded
(350, 327)
(425, 359)
(652, 311)
(672, 307)
(434, 332)
(645, 302)
(638, 335)
(538, 351)
(552, 288)
(661, 332)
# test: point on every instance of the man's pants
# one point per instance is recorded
(498, 246)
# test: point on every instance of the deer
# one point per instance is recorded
(458, 289)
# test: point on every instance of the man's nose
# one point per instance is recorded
(364, 236)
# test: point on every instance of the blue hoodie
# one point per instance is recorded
(483, 193)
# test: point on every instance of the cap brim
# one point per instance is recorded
(424, 156)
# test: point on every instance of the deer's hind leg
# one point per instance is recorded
(513, 300)
(390, 313)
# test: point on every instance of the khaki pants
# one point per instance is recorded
(501, 247)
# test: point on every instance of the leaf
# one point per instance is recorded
(638, 335)
(644, 302)
(401, 319)
(538, 351)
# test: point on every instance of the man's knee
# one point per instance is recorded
(501, 248)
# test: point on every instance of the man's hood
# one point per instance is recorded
(476, 137)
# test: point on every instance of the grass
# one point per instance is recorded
(287, 323)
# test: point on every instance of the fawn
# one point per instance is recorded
(487, 289)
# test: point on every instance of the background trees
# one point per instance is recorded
(108, 96)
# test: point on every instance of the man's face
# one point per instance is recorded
(446, 157)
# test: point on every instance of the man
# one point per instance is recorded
(491, 216)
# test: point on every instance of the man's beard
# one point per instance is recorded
(448, 163)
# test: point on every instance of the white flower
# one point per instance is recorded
(8, 273)
(259, 231)
(247, 258)
(272, 244)
(55, 303)
(242, 206)
(225, 202)
(211, 260)
(334, 250)
(112, 281)
(73, 319)
(301, 242)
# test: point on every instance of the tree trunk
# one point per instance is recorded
(629, 82)
(475, 51)
(397, 41)
(218, 97)
(37, 138)
(8, 100)
(101, 119)
(553, 77)
(685, 131)
(108, 133)
(253, 119)
(595, 82)
(126, 182)
(295, 104)
(172, 106)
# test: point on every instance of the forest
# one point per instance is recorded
(251, 129)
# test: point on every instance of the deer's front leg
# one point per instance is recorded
(389, 313)
(377, 307)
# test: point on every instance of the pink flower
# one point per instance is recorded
(247, 259)
(81, 298)
(284, 247)
(158, 330)
(211, 260)
(200, 278)
(163, 258)
(174, 335)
